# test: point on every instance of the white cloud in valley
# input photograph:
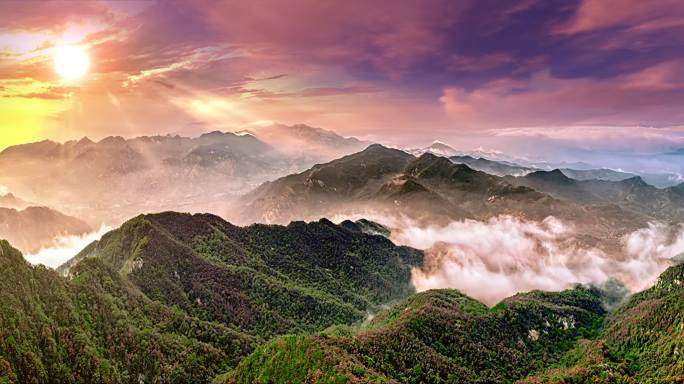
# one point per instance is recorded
(64, 248)
(494, 259)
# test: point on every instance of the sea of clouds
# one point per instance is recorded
(494, 259)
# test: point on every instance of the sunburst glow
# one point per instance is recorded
(71, 62)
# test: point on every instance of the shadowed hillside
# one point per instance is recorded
(264, 279)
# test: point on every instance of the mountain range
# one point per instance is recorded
(496, 163)
(109, 181)
(430, 189)
(191, 298)
(114, 179)
(633, 194)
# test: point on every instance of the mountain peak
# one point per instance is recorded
(635, 181)
(112, 140)
(555, 175)
(441, 149)
(436, 161)
(377, 147)
(440, 144)
(428, 156)
(85, 140)
(9, 253)
(379, 150)
(212, 134)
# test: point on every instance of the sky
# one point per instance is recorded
(531, 76)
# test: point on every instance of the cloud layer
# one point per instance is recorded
(494, 259)
(505, 255)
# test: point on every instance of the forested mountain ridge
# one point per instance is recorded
(442, 336)
(641, 341)
(265, 279)
(181, 298)
(438, 336)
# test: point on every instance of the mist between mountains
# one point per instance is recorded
(504, 255)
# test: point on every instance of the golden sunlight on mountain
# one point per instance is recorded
(71, 62)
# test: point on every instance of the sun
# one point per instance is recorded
(71, 62)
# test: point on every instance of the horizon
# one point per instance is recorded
(638, 163)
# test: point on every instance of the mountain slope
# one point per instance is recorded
(36, 227)
(442, 336)
(632, 194)
(264, 279)
(641, 341)
(427, 190)
(435, 337)
(97, 327)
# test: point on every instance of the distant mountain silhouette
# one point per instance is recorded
(115, 178)
(33, 228)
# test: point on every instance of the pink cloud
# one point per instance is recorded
(600, 14)
(389, 35)
(651, 97)
(54, 16)
(630, 138)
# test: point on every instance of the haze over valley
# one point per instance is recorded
(520, 226)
